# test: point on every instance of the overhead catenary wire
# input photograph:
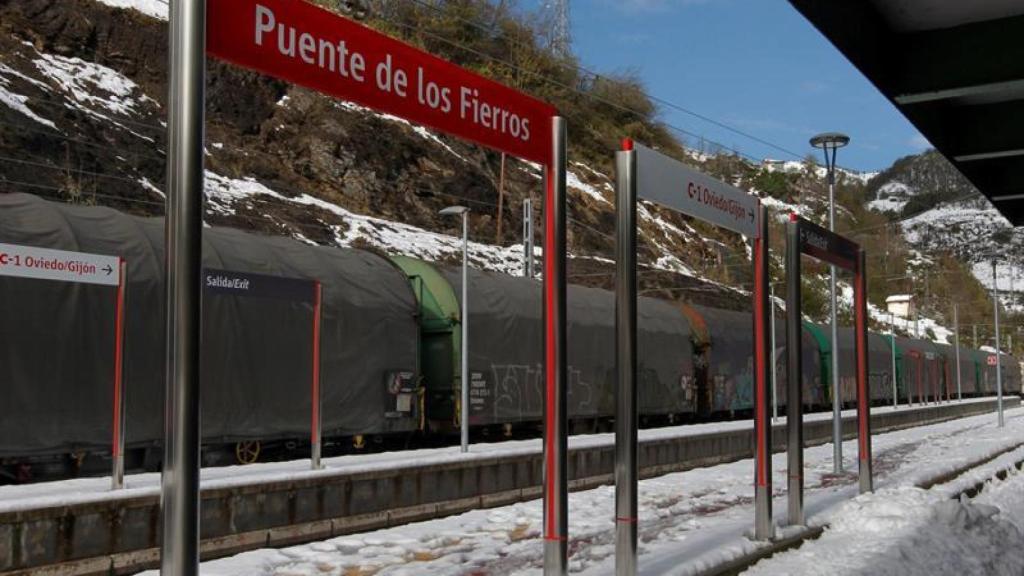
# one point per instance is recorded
(658, 99)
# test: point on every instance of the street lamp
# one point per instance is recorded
(830, 142)
(464, 413)
(999, 360)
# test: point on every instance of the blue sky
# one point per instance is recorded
(756, 65)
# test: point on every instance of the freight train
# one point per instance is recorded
(389, 352)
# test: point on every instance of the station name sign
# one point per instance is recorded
(258, 285)
(307, 45)
(827, 246)
(62, 265)
(677, 186)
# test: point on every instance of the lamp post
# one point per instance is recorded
(771, 331)
(464, 321)
(830, 142)
(999, 369)
(892, 354)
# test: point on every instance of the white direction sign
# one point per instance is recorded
(47, 264)
(674, 185)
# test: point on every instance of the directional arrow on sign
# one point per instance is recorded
(108, 269)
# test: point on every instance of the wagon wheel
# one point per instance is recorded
(247, 451)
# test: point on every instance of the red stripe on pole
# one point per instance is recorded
(759, 360)
(118, 360)
(862, 365)
(550, 368)
(316, 363)
(627, 144)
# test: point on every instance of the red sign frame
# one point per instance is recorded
(313, 47)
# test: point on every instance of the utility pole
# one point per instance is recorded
(974, 329)
(528, 237)
(501, 200)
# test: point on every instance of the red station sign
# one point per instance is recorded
(312, 47)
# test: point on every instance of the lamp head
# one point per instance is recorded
(453, 211)
(830, 140)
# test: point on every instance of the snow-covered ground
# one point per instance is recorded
(688, 520)
(906, 530)
(83, 490)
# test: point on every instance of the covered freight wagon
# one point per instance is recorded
(506, 355)
(57, 339)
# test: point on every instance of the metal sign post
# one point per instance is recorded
(794, 388)
(83, 268)
(642, 173)
(626, 364)
(763, 311)
(179, 479)
(556, 443)
(860, 303)
(117, 442)
(804, 237)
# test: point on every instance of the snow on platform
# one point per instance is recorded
(904, 530)
(688, 521)
(87, 490)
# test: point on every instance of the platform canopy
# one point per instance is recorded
(955, 68)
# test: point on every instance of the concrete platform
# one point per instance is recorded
(119, 534)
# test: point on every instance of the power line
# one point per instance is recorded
(660, 100)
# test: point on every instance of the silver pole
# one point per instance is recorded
(861, 361)
(794, 391)
(626, 392)
(892, 344)
(974, 330)
(999, 363)
(179, 504)
(556, 480)
(464, 416)
(837, 401)
(956, 342)
(771, 322)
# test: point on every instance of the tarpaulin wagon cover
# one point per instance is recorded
(57, 338)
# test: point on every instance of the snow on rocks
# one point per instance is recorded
(94, 85)
(153, 8)
(18, 102)
(224, 195)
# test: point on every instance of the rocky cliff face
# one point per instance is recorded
(82, 119)
(84, 90)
